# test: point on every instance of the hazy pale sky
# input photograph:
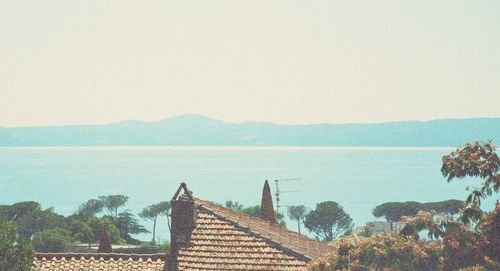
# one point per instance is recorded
(72, 62)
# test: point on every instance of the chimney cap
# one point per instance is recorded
(188, 193)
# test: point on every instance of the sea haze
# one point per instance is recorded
(357, 178)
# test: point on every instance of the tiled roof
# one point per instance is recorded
(282, 236)
(227, 240)
(96, 262)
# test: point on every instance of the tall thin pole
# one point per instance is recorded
(277, 196)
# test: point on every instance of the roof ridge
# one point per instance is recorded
(281, 236)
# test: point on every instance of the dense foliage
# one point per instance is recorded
(15, 253)
(51, 232)
(51, 240)
(29, 218)
(394, 211)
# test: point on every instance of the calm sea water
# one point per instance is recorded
(357, 178)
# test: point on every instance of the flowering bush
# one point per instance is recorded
(474, 160)
(382, 252)
(470, 243)
(490, 229)
(460, 247)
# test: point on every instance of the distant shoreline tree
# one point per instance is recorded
(127, 224)
(328, 221)
(152, 212)
(29, 218)
(298, 214)
(81, 231)
(97, 224)
(90, 208)
(394, 211)
(234, 205)
(113, 202)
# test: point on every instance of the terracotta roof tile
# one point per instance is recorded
(280, 236)
(226, 240)
(218, 244)
(93, 261)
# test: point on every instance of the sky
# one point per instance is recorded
(291, 62)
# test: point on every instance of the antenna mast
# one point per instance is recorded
(278, 191)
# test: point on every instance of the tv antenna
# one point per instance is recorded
(278, 191)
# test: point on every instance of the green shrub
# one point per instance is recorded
(15, 253)
(53, 240)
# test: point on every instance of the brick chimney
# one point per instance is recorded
(266, 207)
(104, 244)
(183, 219)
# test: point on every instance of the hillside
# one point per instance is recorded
(196, 130)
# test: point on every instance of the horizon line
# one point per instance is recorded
(242, 122)
(228, 148)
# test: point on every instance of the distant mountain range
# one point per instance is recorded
(196, 130)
